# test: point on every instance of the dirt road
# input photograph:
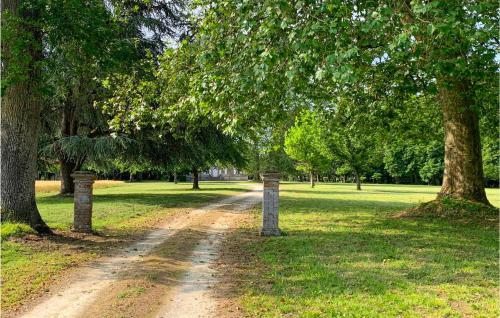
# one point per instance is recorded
(167, 274)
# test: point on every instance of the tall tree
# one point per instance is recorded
(303, 143)
(161, 103)
(351, 135)
(200, 145)
(414, 140)
(76, 34)
(21, 55)
(266, 152)
(258, 55)
(99, 41)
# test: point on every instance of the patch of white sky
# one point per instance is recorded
(170, 41)
(479, 26)
(380, 59)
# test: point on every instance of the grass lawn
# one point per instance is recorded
(344, 256)
(121, 212)
(124, 206)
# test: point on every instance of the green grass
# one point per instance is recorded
(344, 256)
(120, 214)
(119, 207)
(15, 229)
(28, 269)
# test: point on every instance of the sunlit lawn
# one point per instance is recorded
(124, 205)
(343, 256)
(121, 212)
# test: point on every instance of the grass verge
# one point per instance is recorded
(346, 256)
(15, 230)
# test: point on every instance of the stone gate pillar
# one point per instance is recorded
(270, 202)
(82, 221)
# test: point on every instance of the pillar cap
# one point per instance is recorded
(270, 176)
(83, 175)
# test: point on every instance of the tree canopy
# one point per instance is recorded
(303, 143)
(385, 91)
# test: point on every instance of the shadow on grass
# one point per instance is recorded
(306, 205)
(306, 262)
(203, 189)
(395, 256)
(153, 199)
(370, 190)
(99, 242)
(337, 253)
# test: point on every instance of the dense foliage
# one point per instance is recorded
(250, 77)
(383, 91)
(269, 58)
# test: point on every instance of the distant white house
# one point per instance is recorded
(226, 174)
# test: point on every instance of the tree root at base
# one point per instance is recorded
(461, 211)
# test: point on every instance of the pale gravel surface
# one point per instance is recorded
(191, 298)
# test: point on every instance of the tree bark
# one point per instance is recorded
(69, 127)
(175, 177)
(196, 185)
(358, 181)
(311, 178)
(20, 113)
(67, 182)
(463, 165)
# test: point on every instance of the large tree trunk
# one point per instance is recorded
(358, 181)
(67, 168)
(67, 182)
(20, 113)
(196, 185)
(69, 127)
(463, 165)
(19, 135)
(311, 178)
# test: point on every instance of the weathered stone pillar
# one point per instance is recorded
(270, 203)
(82, 221)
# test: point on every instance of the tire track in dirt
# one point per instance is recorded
(192, 297)
(147, 276)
